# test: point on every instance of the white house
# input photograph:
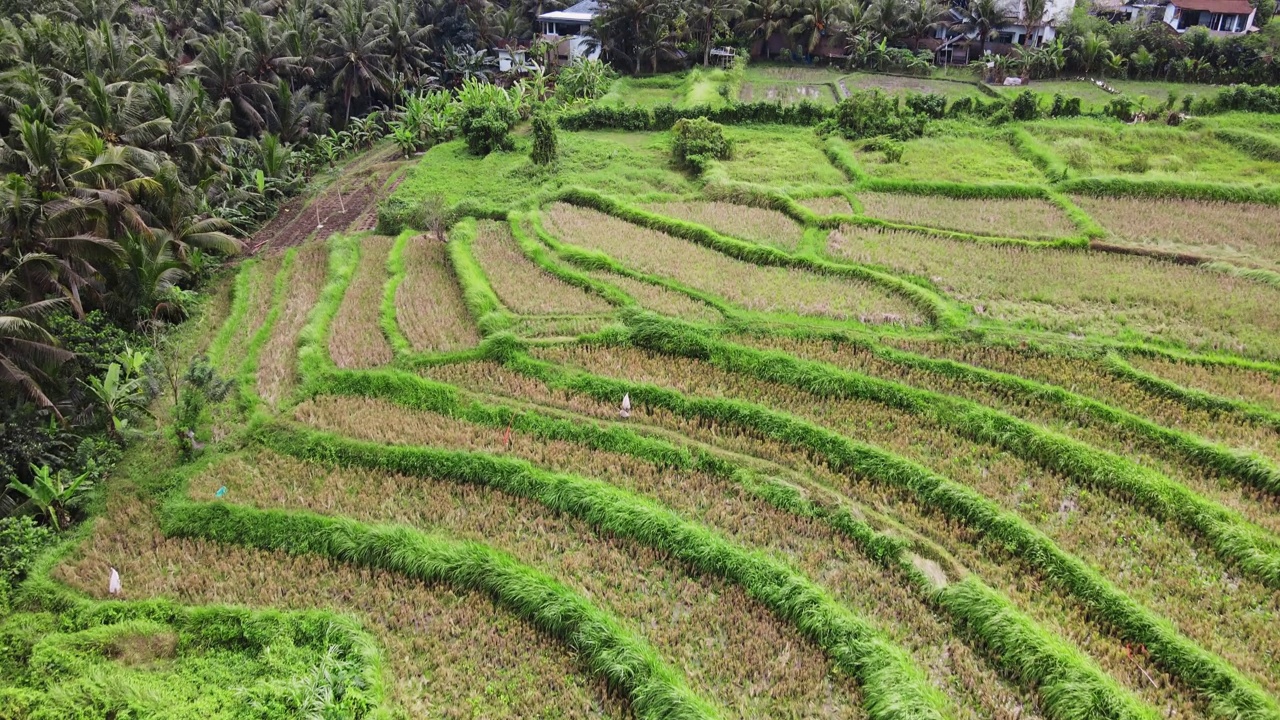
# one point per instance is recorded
(1221, 17)
(1015, 33)
(569, 30)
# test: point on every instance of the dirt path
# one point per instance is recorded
(351, 197)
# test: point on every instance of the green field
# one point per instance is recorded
(809, 432)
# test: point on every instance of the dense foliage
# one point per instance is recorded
(697, 141)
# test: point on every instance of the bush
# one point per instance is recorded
(930, 105)
(891, 148)
(489, 130)
(868, 113)
(1121, 108)
(583, 80)
(963, 106)
(699, 141)
(21, 542)
(1025, 106)
(1064, 106)
(544, 139)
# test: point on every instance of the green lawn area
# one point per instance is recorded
(779, 156)
(1101, 148)
(619, 163)
(957, 153)
(1092, 97)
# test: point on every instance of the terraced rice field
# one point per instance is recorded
(659, 455)
(1035, 219)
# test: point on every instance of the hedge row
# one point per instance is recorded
(1233, 538)
(1226, 691)
(245, 277)
(248, 374)
(1249, 468)
(663, 117)
(1068, 682)
(892, 686)
(1171, 190)
(938, 309)
(478, 295)
(1190, 397)
(626, 661)
(313, 339)
(387, 317)
(537, 254)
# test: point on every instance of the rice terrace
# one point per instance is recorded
(753, 391)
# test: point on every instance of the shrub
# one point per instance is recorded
(583, 79)
(699, 141)
(21, 541)
(930, 105)
(544, 139)
(1064, 106)
(1025, 106)
(963, 106)
(489, 130)
(1121, 108)
(891, 148)
(868, 113)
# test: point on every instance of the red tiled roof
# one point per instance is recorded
(1234, 7)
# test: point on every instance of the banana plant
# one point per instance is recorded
(50, 495)
(119, 395)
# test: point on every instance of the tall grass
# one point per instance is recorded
(1066, 680)
(893, 687)
(1234, 539)
(622, 658)
(1221, 686)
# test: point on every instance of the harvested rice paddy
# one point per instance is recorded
(796, 439)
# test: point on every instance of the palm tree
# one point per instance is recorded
(407, 42)
(762, 19)
(225, 67)
(886, 18)
(28, 354)
(820, 18)
(923, 17)
(633, 29)
(1091, 50)
(1033, 17)
(355, 52)
(714, 16)
(984, 17)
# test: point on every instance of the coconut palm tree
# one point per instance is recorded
(1033, 17)
(355, 52)
(983, 18)
(762, 19)
(886, 17)
(225, 68)
(1090, 51)
(29, 356)
(923, 17)
(819, 19)
(713, 17)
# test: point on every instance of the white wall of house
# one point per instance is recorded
(1181, 19)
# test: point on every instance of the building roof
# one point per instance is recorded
(583, 11)
(1234, 7)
